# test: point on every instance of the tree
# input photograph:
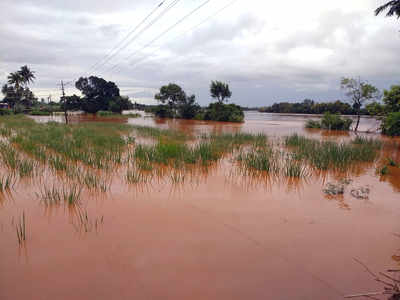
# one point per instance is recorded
(16, 92)
(98, 93)
(359, 92)
(73, 102)
(391, 98)
(393, 8)
(220, 91)
(27, 75)
(188, 108)
(171, 94)
(119, 104)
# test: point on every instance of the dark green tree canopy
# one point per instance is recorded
(16, 91)
(171, 94)
(392, 8)
(220, 91)
(391, 98)
(27, 75)
(98, 93)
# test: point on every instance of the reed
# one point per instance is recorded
(21, 229)
(327, 155)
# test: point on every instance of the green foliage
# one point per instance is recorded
(359, 93)
(16, 90)
(188, 108)
(73, 102)
(176, 103)
(326, 155)
(98, 93)
(119, 104)
(331, 122)
(310, 107)
(375, 108)
(40, 113)
(391, 98)
(220, 91)
(5, 112)
(313, 124)
(335, 122)
(223, 113)
(171, 95)
(391, 124)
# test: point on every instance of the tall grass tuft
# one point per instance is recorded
(21, 229)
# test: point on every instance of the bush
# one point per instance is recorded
(223, 113)
(40, 113)
(391, 124)
(5, 112)
(313, 124)
(331, 122)
(105, 113)
(163, 111)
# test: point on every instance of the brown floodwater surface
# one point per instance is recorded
(219, 235)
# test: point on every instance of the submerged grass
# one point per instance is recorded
(50, 196)
(21, 229)
(326, 155)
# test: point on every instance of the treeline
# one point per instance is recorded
(98, 95)
(311, 107)
(175, 103)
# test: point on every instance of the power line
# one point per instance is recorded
(164, 32)
(131, 40)
(125, 38)
(144, 58)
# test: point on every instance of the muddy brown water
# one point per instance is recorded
(219, 236)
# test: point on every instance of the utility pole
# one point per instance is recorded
(63, 100)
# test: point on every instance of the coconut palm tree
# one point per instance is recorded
(15, 79)
(27, 75)
(393, 7)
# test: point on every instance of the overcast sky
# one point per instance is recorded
(267, 51)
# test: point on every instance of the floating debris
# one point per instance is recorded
(333, 189)
(361, 193)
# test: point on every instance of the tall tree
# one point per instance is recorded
(15, 79)
(171, 94)
(359, 93)
(98, 93)
(392, 7)
(27, 75)
(220, 91)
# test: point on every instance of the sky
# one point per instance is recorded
(268, 51)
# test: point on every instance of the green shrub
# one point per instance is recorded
(40, 113)
(313, 124)
(163, 111)
(223, 113)
(5, 112)
(391, 124)
(105, 113)
(331, 122)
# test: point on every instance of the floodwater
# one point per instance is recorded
(219, 236)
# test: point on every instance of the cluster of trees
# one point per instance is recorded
(16, 91)
(98, 94)
(311, 107)
(175, 103)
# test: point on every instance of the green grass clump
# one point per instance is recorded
(259, 159)
(57, 196)
(326, 155)
(313, 124)
(331, 122)
(40, 113)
